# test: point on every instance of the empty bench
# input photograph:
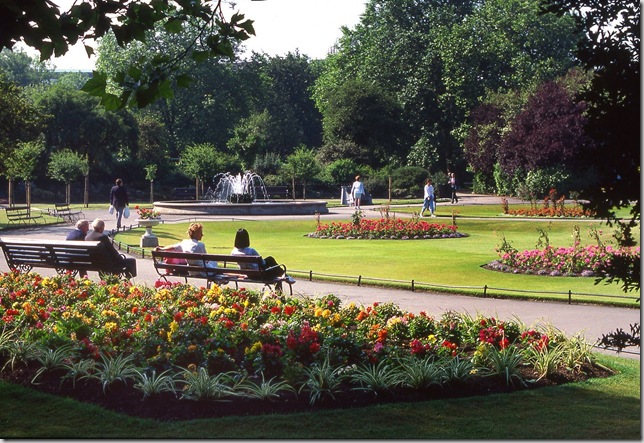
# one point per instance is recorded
(17, 215)
(228, 270)
(64, 212)
(64, 256)
(184, 193)
(272, 192)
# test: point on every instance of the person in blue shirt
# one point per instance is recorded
(80, 231)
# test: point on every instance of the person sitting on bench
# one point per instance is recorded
(242, 247)
(192, 244)
(97, 234)
(78, 234)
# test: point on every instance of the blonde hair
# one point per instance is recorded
(98, 225)
(194, 229)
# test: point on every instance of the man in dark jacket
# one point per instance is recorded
(119, 199)
(80, 231)
(119, 261)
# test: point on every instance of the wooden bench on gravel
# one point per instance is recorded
(64, 256)
(64, 212)
(17, 215)
(228, 270)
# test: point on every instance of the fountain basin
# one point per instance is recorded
(256, 208)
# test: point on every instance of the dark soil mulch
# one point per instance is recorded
(130, 401)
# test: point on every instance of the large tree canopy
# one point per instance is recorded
(41, 25)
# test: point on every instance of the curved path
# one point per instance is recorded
(591, 321)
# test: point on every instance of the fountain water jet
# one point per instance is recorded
(241, 194)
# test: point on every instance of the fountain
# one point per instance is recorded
(240, 194)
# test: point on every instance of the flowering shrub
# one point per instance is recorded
(146, 213)
(175, 325)
(386, 228)
(577, 260)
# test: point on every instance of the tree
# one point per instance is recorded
(548, 132)
(66, 166)
(22, 164)
(20, 120)
(365, 115)
(77, 121)
(42, 26)
(610, 47)
(22, 69)
(202, 162)
(301, 166)
(150, 174)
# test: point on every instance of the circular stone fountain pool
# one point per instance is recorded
(256, 208)
(249, 185)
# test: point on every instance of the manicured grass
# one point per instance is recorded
(595, 410)
(450, 262)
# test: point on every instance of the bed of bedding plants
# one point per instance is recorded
(387, 227)
(177, 351)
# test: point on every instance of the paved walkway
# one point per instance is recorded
(589, 320)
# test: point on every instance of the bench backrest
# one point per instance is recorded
(18, 211)
(226, 264)
(73, 255)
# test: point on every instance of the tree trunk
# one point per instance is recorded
(196, 188)
(86, 193)
(10, 193)
(304, 191)
(28, 192)
(151, 191)
(68, 192)
(293, 188)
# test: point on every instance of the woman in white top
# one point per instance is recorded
(192, 244)
(357, 189)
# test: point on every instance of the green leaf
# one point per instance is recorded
(184, 80)
(96, 85)
(165, 89)
(200, 56)
(174, 25)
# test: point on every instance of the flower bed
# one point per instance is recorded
(212, 344)
(386, 228)
(586, 261)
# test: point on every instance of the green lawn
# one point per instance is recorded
(451, 262)
(599, 409)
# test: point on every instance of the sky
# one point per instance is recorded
(281, 26)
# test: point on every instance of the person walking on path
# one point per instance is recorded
(119, 200)
(452, 186)
(357, 190)
(429, 198)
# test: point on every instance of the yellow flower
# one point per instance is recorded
(192, 348)
(318, 312)
(111, 327)
(66, 315)
(326, 313)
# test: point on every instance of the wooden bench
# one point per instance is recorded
(175, 264)
(184, 193)
(64, 212)
(272, 192)
(22, 215)
(64, 256)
